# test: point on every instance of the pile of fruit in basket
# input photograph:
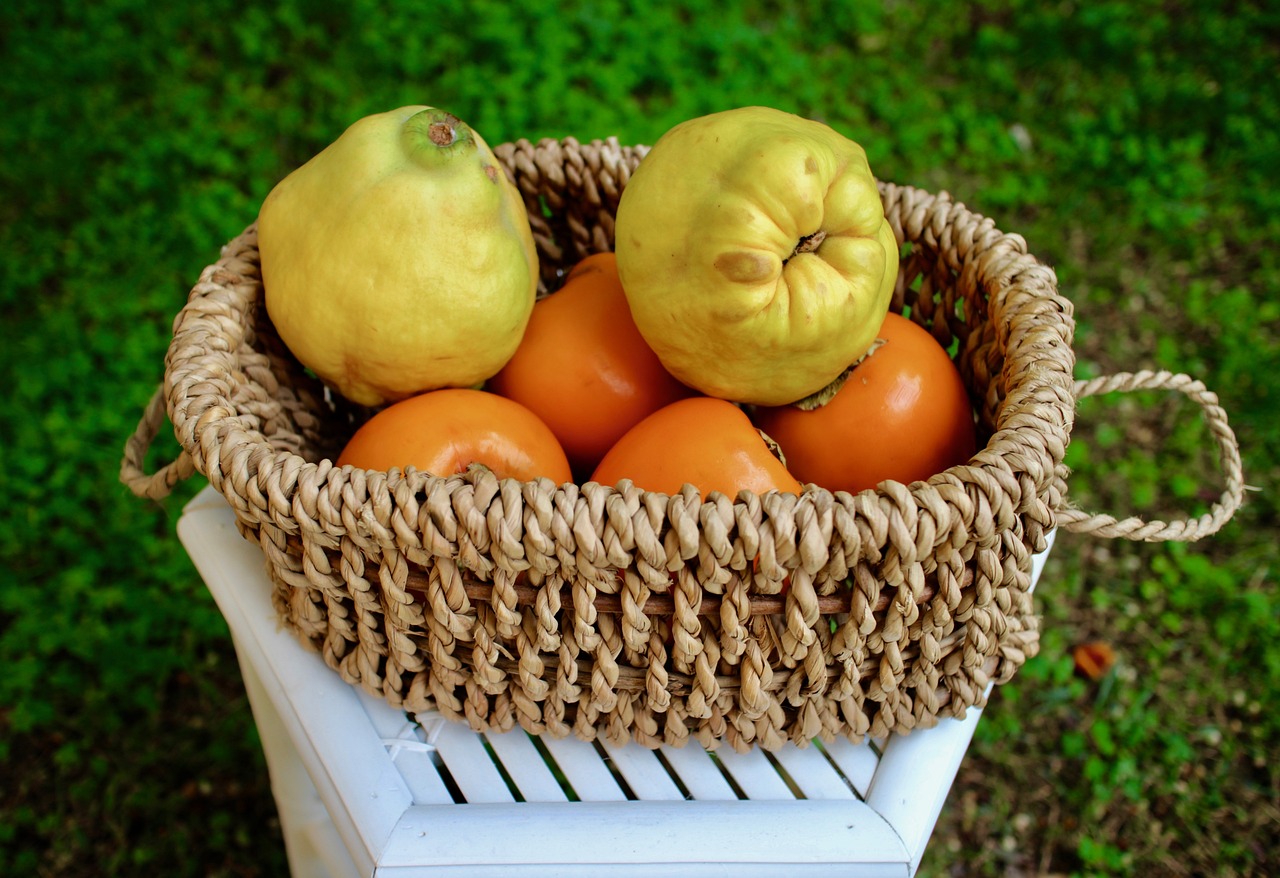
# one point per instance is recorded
(739, 336)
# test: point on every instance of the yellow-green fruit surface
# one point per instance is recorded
(755, 254)
(399, 259)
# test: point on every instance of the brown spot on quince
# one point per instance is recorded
(744, 267)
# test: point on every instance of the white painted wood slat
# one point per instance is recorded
(528, 770)
(813, 773)
(469, 764)
(700, 775)
(754, 774)
(858, 762)
(644, 772)
(656, 839)
(591, 779)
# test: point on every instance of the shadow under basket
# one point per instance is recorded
(589, 610)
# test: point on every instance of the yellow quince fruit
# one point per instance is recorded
(755, 254)
(399, 259)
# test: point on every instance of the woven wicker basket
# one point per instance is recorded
(582, 609)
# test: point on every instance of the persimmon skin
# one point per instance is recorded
(445, 431)
(707, 442)
(583, 367)
(902, 414)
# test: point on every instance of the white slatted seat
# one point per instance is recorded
(364, 790)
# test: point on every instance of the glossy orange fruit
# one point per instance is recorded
(703, 441)
(445, 431)
(583, 367)
(902, 414)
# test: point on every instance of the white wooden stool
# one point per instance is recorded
(364, 790)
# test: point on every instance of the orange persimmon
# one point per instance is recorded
(902, 413)
(582, 366)
(445, 431)
(703, 441)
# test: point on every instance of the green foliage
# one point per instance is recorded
(1132, 143)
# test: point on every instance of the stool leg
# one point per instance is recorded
(311, 840)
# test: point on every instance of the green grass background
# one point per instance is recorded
(1134, 144)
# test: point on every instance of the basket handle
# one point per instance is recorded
(157, 485)
(1185, 530)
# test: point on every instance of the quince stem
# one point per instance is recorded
(809, 243)
(432, 136)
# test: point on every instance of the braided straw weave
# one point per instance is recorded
(588, 610)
